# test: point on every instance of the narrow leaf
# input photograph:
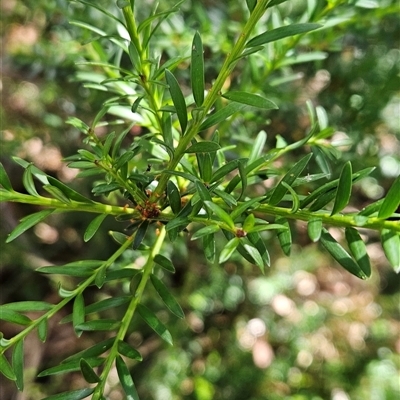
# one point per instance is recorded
(24, 306)
(251, 99)
(284, 235)
(207, 230)
(202, 191)
(99, 325)
(167, 297)
(391, 246)
(220, 213)
(251, 4)
(177, 99)
(228, 249)
(256, 256)
(78, 312)
(314, 229)
(91, 352)
(203, 147)
(343, 191)
(14, 317)
(70, 366)
(88, 372)
(72, 395)
(93, 227)
(209, 247)
(126, 379)
(197, 70)
(140, 234)
(128, 351)
(174, 197)
(68, 192)
(27, 181)
(391, 201)
(221, 115)
(5, 368)
(358, 250)
(340, 254)
(4, 179)
(56, 193)
(150, 318)
(164, 262)
(18, 364)
(280, 190)
(28, 222)
(42, 330)
(281, 32)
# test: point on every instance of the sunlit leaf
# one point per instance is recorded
(228, 249)
(314, 229)
(25, 306)
(78, 312)
(27, 181)
(128, 351)
(251, 99)
(391, 246)
(197, 70)
(255, 255)
(177, 99)
(221, 115)
(28, 222)
(343, 191)
(99, 325)
(4, 179)
(167, 297)
(340, 254)
(280, 190)
(358, 250)
(72, 395)
(203, 147)
(281, 32)
(93, 227)
(150, 318)
(220, 213)
(391, 201)
(126, 379)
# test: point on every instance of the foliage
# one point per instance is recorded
(200, 168)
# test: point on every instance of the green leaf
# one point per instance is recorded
(90, 353)
(314, 229)
(228, 249)
(177, 99)
(258, 146)
(140, 234)
(229, 200)
(167, 297)
(56, 193)
(93, 227)
(72, 395)
(78, 313)
(256, 240)
(87, 372)
(246, 206)
(224, 170)
(221, 115)
(207, 230)
(128, 351)
(251, 99)
(174, 197)
(358, 250)
(42, 330)
(123, 159)
(343, 191)
(391, 246)
(220, 213)
(126, 379)
(5, 368)
(28, 222)
(295, 198)
(4, 179)
(99, 325)
(105, 188)
(281, 32)
(197, 70)
(164, 262)
(25, 306)
(18, 364)
(27, 181)
(14, 317)
(150, 318)
(284, 235)
(255, 255)
(251, 4)
(391, 201)
(119, 237)
(280, 190)
(81, 270)
(203, 147)
(67, 191)
(203, 191)
(209, 248)
(340, 254)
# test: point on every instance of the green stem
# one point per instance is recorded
(147, 270)
(80, 289)
(227, 68)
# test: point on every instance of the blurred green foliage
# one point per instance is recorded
(305, 330)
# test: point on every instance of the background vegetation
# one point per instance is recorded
(304, 330)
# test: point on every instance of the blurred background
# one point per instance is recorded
(306, 329)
